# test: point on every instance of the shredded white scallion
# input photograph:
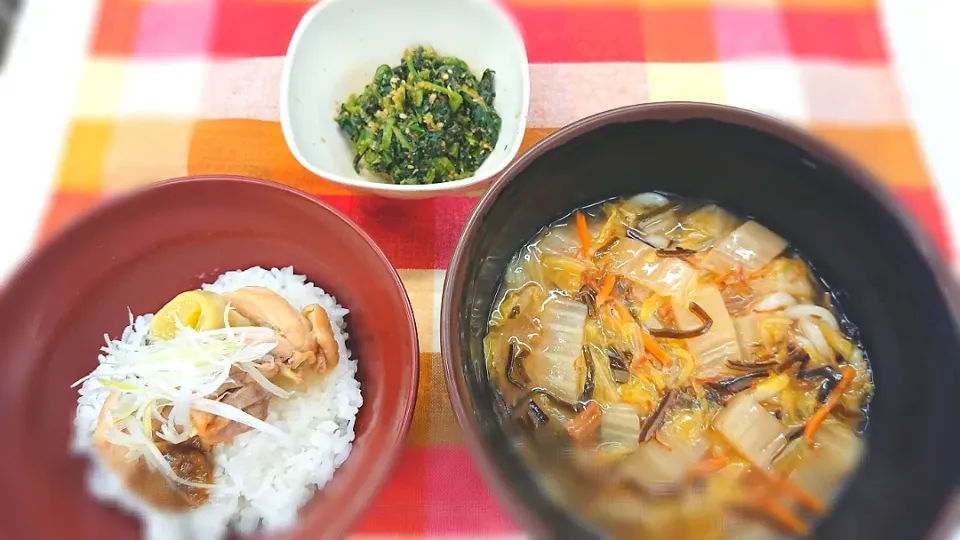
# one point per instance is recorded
(176, 376)
(263, 381)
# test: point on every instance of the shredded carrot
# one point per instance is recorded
(818, 417)
(637, 362)
(658, 440)
(655, 349)
(761, 272)
(732, 278)
(784, 486)
(665, 311)
(708, 466)
(806, 499)
(622, 311)
(585, 239)
(781, 514)
(585, 423)
(609, 282)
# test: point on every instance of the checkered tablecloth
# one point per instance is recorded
(183, 87)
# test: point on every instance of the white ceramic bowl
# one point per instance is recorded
(340, 43)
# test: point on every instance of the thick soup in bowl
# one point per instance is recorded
(683, 362)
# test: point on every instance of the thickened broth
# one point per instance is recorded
(676, 371)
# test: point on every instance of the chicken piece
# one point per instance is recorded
(113, 455)
(189, 462)
(284, 351)
(289, 373)
(232, 429)
(239, 377)
(252, 399)
(295, 339)
(264, 307)
(323, 334)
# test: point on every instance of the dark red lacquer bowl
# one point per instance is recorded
(138, 251)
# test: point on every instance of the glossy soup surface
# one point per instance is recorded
(677, 371)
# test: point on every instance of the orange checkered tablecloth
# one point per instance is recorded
(173, 88)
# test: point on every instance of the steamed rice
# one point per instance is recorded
(261, 483)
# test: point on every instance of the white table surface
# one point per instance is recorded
(38, 84)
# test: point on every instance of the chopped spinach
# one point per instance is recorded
(424, 121)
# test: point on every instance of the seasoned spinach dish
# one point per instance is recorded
(424, 121)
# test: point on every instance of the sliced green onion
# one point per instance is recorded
(116, 385)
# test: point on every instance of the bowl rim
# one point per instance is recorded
(463, 184)
(673, 111)
(380, 471)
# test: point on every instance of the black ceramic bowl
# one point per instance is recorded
(890, 281)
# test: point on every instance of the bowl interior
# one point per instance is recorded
(339, 45)
(801, 190)
(141, 253)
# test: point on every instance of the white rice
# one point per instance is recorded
(261, 483)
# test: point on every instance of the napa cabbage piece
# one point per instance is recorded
(561, 239)
(621, 332)
(524, 270)
(562, 272)
(612, 229)
(753, 431)
(772, 386)
(688, 422)
(656, 469)
(641, 390)
(668, 277)
(837, 453)
(644, 202)
(628, 253)
(695, 514)
(862, 386)
(638, 262)
(788, 275)
(760, 334)
(660, 224)
(620, 424)
(557, 414)
(518, 313)
(517, 321)
(747, 529)
(751, 246)
(554, 363)
(748, 334)
(705, 225)
(719, 345)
